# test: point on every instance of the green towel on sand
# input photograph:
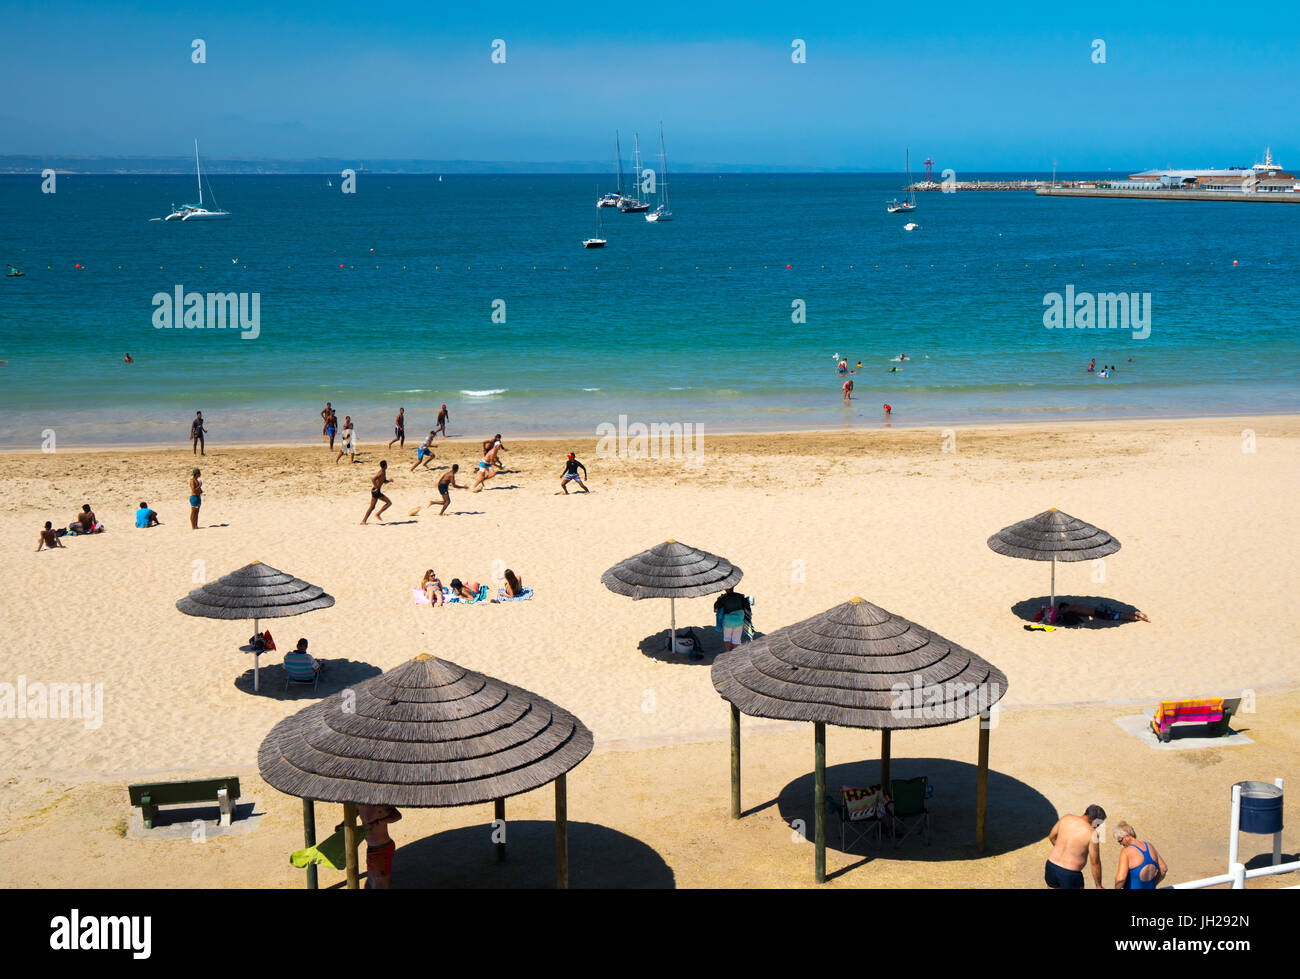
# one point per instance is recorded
(331, 852)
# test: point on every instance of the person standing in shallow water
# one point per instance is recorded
(399, 429)
(197, 431)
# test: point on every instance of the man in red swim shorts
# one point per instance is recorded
(379, 845)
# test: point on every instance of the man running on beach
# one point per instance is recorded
(491, 451)
(446, 480)
(196, 498)
(379, 845)
(377, 493)
(442, 421)
(423, 454)
(570, 475)
(399, 429)
(1075, 841)
(197, 431)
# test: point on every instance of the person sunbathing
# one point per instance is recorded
(432, 588)
(466, 592)
(513, 586)
(49, 538)
(85, 521)
(1105, 612)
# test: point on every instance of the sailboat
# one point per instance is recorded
(630, 205)
(663, 212)
(599, 240)
(897, 206)
(197, 212)
(611, 199)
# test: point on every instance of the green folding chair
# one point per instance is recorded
(910, 812)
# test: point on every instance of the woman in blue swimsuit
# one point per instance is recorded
(1141, 868)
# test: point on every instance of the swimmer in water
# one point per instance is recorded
(127, 359)
(842, 367)
(1092, 364)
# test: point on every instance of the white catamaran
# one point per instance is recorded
(197, 212)
(663, 212)
(897, 206)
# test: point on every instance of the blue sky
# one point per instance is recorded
(1194, 85)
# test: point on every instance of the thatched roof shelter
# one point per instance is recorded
(857, 665)
(1053, 536)
(256, 591)
(426, 734)
(671, 570)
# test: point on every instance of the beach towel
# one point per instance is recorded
(419, 597)
(523, 596)
(331, 852)
(1204, 710)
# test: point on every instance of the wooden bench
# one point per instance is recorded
(149, 796)
(1213, 711)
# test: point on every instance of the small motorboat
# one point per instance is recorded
(13, 273)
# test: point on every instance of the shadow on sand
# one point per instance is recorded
(1018, 814)
(708, 643)
(1027, 609)
(338, 674)
(599, 857)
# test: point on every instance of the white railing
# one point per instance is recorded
(1237, 874)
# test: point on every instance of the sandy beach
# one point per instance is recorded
(897, 516)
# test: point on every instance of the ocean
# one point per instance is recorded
(476, 291)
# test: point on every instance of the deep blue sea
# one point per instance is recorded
(385, 298)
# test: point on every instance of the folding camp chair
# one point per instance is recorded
(862, 812)
(909, 810)
(296, 670)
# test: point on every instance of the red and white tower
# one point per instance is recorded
(929, 171)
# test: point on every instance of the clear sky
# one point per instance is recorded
(1191, 84)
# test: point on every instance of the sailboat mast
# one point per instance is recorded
(663, 165)
(618, 163)
(197, 177)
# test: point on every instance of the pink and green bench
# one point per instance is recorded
(1214, 711)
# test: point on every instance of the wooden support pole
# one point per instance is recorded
(884, 762)
(350, 844)
(499, 817)
(735, 762)
(309, 839)
(561, 834)
(819, 801)
(982, 782)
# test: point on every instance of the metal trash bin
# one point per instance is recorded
(1261, 808)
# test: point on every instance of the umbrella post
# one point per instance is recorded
(309, 838)
(819, 802)
(884, 760)
(1052, 601)
(672, 625)
(350, 844)
(561, 833)
(499, 817)
(256, 656)
(735, 762)
(982, 782)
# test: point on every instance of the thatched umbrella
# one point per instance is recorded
(856, 665)
(256, 591)
(426, 734)
(1053, 536)
(671, 570)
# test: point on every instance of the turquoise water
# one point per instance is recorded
(682, 322)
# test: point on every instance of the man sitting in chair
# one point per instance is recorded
(298, 661)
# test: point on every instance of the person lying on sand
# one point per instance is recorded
(466, 592)
(1105, 612)
(48, 537)
(1074, 842)
(431, 587)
